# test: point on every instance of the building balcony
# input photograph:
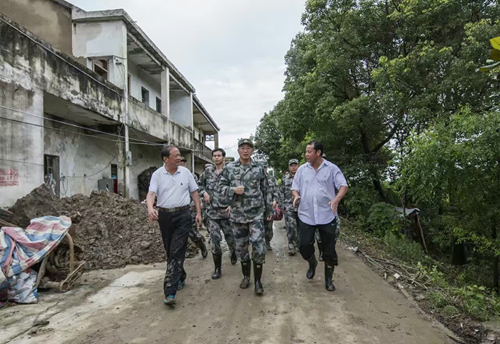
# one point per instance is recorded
(202, 152)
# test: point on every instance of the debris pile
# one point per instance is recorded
(111, 231)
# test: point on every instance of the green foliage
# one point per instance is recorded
(438, 299)
(451, 311)
(404, 249)
(383, 218)
(475, 302)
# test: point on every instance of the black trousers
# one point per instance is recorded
(328, 235)
(175, 228)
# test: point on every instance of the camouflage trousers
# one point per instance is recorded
(174, 229)
(216, 228)
(194, 234)
(292, 228)
(250, 233)
(268, 225)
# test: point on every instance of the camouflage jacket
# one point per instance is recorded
(286, 193)
(274, 189)
(256, 202)
(192, 205)
(209, 183)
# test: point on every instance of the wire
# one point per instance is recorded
(22, 162)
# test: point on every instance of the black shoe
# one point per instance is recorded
(218, 266)
(257, 275)
(268, 246)
(313, 263)
(328, 278)
(203, 248)
(320, 258)
(234, 258)
(245, 268)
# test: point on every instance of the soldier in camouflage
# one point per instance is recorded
(216, 210)
(194, 234)
(275, 195)
(291, 215)
(245, 183)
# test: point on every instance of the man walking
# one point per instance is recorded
(291, 215)
(194, 234)
(245, 183)
(173, 186)
(314, 186)
(216, 210)
(274, 191)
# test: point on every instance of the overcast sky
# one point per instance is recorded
(232, 51)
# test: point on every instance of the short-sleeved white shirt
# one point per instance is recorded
(172, 191)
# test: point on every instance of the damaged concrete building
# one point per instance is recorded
(87, 100)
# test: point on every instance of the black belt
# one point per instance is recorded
(174, 210)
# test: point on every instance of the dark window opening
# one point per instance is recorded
(158, 104)
(145, 96)
(101, 68)
(51, 173)
(114, 176)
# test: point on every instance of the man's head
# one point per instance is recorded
(314, 151)
(171, 156)
(218, 156)
(245, 149)
(293, 165)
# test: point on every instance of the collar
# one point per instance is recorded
(164, 170)
(238, 163)
(324, 163)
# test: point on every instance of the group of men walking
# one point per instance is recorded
(239, 201)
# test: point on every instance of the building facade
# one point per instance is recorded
(87, 100)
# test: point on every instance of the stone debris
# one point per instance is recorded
(112, 231)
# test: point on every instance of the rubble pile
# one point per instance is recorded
(112, 231)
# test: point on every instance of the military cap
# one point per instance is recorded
(243, 141)
(293, 161)
(183, 158)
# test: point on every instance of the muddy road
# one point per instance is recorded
(125, 306)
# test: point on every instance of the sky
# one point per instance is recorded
(232, 51)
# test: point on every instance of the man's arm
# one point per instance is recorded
(296, 187)
(268, 199)
(334, 204)
(150, 201)
(203, 187)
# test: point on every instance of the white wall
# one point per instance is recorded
(181, 108)
(103, 39)
(139, 78)
(79, 156)
(143, 157)
(21, 145)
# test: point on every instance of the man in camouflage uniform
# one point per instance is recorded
(274, 191)
(245, 183)
(216, 210)
(291, 215)
(194, 234)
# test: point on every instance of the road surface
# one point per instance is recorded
(126, 306)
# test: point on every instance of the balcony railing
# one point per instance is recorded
(202, 151)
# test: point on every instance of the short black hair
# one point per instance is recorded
(165, 151)
(317, 146)
(219, 150)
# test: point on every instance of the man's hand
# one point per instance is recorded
(334, 204)
(228, 210)
(199, 221)
(206, 197)
(152, 214)
(269, 218)
(275, 204)
(296, 201)
(239, 190)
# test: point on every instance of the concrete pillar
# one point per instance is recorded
(216, 140)
(165, 98)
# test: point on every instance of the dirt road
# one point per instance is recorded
(125, 306)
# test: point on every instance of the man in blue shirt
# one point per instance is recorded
(314, 186)
(173, 186)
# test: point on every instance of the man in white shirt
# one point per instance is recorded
(173, 186)
(314, 186)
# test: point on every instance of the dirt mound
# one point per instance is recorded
(111, 230)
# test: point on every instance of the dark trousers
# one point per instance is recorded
(328, 235)
(174, 229)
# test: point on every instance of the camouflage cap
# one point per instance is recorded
(183, 158)
(243, 141)
(293, 161)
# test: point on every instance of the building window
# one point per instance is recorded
(145, 96)
(101, 68)
(158, 104)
